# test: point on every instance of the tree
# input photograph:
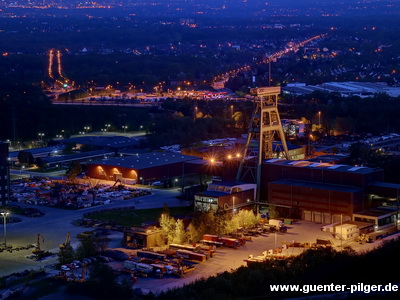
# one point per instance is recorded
(86, 248)
(238, 119)
(68, 149)
(335, 150)
(273, 213)
(180, 233)
(93, 188)
(25, 157)
(103, 284)
(66, 255)
(73, 171)
(193, 234)
(221, 218)
(247, 218)
(168, 225)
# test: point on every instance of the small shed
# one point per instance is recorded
(346, 231)
(143, 237)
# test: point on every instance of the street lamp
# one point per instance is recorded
(41, 135)
(5, 214)
(319, 118)
(125, 127)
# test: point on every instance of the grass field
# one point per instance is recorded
(133, 217)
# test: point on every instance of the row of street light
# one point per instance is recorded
(86, 129)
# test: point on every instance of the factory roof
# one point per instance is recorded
(214, 194)
(227, 183)
(379, 211)
(115, 142)
(329, 158)
(322, 166)
(39, 151)
(76, 156)
(346, 88)
(386, 185)
(146, 160)
(133, 151)
(318, 185)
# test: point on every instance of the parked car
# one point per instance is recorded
(65, 268)
(77, 263)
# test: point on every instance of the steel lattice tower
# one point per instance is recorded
(265, 122)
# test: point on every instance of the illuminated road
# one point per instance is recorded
(273, 57)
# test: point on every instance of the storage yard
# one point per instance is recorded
(300, 237)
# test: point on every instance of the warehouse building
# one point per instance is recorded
(345, 89)
(66, 160)
(158, 168)
(319, 192)
(112, 142)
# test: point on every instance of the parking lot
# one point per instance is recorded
(73, 195)
(55, 225)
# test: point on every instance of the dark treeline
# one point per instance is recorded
(38, 35)
(352, 115)
(145, 71)
(25, 111)
(322, 266)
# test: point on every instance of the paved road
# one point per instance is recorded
(55, 225)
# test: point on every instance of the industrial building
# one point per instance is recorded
(65, 160)
(112, 142)
(28, 156)
(323, 192)
(163, 168)
(293, 127)
(227, 195)
(345, 89)
(379, 216)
